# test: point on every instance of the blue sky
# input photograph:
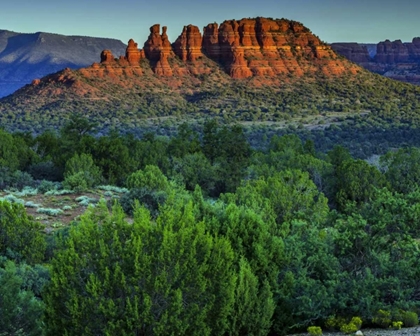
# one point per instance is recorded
(332, 20)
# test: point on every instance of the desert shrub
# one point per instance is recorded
(81, 173)
(146, 197)
(397, 325)
(382, 318)
(31, 204)
(348, 328)
(21, 179)
(113, 189)
(357, 321)
(151, 178)
(314, 331)
(351, 327)
(410, 319)
(58, 192)
(13, 199)
(45, 170)
(27, 191)
(49, 211)
(46, 186)
(85, 200)
(15, 179)
(4, 177)
(76, 182)
(335, 322)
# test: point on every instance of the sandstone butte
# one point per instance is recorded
(397, 60)
(244, 48)
(269, 50)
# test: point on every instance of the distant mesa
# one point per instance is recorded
(247, 48)
(397, 60)
(25, 57)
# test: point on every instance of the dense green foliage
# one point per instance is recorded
(20, 236)
(80, 173)
(21, 312)
(213, 237)
(170, 275)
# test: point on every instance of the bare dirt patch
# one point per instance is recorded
(58, 211)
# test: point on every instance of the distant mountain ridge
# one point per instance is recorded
(24, 57)
(397, 60)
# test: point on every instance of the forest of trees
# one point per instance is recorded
(212, 236)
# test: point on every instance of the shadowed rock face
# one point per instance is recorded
(395, 59)
(355, 52)
(246, 48)
(188, 45)
(398, 52)
(106, 56)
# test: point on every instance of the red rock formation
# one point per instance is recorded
(211, 41)
(246, 48)
(265, 47)
(106, 56)
(188, 45)
(133, 54)
(158, 49)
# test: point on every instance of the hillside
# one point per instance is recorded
(396, 60)
(24, 57)
(251, 70)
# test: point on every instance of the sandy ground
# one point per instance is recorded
(375, 332)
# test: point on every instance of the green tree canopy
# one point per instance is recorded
(21, 313)
(20, 236)
(151, 178)
(357, 182)
(402, 169)
(141, 278)
(81, 173)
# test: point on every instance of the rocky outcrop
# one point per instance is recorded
(158, 50)
(266, 47)
(397, 60)
(246, 48)
(106, 56)
(355, 52)
(132, 54)
(188, 45)
(389, 52)
(211, 41)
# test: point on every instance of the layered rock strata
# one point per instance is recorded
(246, 48)
(397, 60)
